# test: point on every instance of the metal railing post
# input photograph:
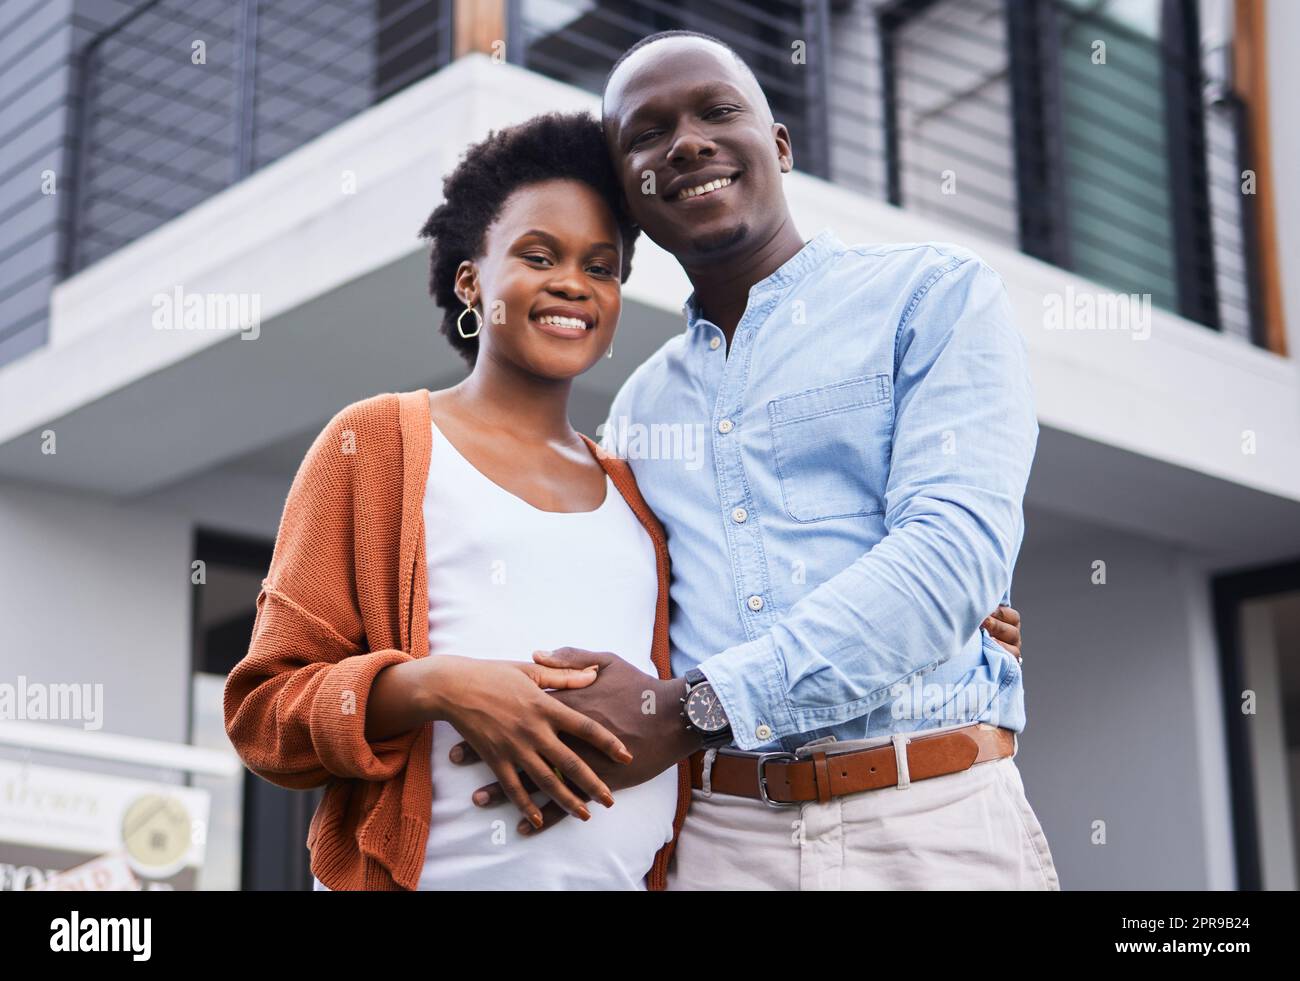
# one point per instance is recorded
(75, 199)
(245, 108)
(816, 27)
(1033, 59)
(1180, 48)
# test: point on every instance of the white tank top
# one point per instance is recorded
(505, 579)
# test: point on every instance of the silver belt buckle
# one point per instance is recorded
(762, 779)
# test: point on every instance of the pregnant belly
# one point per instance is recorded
(471, 847)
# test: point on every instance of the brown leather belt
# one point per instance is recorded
(783, 779)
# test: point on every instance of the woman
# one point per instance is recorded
(524, 538)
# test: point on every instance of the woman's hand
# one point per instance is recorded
(624, 699)
(1003, 625)
(503, 711)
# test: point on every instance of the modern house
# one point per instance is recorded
(208, 217)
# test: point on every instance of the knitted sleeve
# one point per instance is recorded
(295, 705)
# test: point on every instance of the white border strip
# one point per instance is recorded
(121, 749)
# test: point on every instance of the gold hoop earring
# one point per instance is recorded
(477, 316)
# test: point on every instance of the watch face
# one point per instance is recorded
(704, 710)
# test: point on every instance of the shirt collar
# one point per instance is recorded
(823, 245)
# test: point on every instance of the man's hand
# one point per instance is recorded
(1003, 626)
(644, 712)
(506, 714)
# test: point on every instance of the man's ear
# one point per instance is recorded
(784, 148)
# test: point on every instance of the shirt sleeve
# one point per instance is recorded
(295, 705)
(964, 438)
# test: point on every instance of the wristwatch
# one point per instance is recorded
(703, 712)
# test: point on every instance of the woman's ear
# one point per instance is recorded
(466, 283)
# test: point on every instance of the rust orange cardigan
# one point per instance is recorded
(346, 596)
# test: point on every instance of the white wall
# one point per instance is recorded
(98, 591)
(1114, 714)
(93, 592)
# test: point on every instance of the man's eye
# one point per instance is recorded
(605, 270)
(642, 136)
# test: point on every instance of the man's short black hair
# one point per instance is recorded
(550, 146)
(659, 37)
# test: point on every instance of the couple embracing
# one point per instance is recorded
(789, 663)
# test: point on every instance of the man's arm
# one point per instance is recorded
(964, 439)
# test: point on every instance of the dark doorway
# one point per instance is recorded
(273, 821)
(1257, 618)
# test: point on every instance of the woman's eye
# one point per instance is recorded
(606, 270)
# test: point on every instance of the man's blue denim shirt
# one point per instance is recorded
(842, 492)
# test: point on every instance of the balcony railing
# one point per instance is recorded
(1098, 144)
(183, 98)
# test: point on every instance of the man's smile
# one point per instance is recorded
(698, 189)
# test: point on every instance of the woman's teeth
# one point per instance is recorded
(569, 322)
(695, 192)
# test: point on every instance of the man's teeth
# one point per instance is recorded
(695, 192)
(562, 322)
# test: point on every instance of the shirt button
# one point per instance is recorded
(715, 343)
(764, 731)
(755, 603)
(725, 426)
(739, 515)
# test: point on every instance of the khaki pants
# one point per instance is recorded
(968, 830)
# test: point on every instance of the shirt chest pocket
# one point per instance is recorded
(830, 446)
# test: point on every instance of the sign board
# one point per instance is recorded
(98, 828)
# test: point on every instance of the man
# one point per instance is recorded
(867, 431)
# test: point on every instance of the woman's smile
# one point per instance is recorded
(560, 325)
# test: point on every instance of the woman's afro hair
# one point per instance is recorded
(547, 147)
